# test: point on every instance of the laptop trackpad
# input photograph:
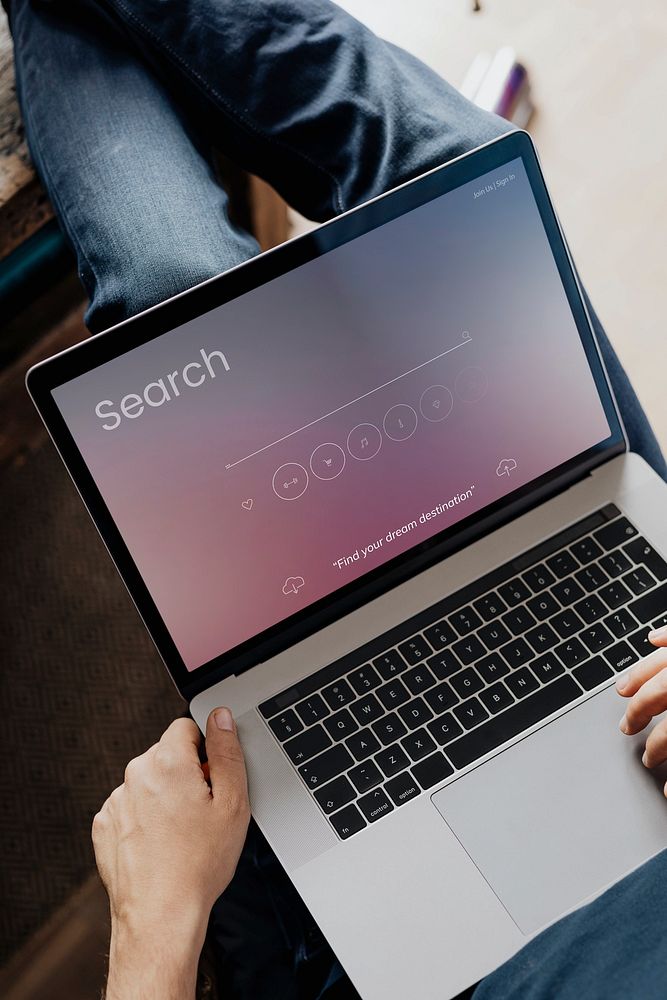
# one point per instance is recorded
(562, 814)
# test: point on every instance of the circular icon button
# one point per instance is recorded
(400, 422)
(436, 403)
(290, 481)
(364, 441)
(471, 384)
(327, 461)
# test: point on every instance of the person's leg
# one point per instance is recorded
(304, 95)
(612, 949)
(134, 193)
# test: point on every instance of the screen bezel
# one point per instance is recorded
(48, 375)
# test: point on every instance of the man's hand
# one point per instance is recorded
(646, 687)
(166, 844)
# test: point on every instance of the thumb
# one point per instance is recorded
(658, 636)
(225, 759)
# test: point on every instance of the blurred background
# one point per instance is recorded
(82, 690)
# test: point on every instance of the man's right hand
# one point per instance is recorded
(646, 687)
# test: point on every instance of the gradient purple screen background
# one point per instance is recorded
(307, 343)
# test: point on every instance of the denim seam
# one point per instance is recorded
(249, 126)
(54, 195)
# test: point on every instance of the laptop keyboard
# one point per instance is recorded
(382, 725)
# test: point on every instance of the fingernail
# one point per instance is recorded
(224, 719)
(623, 726)
(645, 759)
(658, 633)
(622, 683)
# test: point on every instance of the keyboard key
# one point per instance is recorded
(415, 649)
(440, 634)
(621, 623)
(621, 656)
(615, 563)
(522, 683)
(638, 580)
(547, 667)
(364, 679)
(639, 642)
(418, 744)
(444, 664)
(586, 550)
(542, 638)
(389, 729)
(572, 652)
(651, 606)
(402, 788)
(467, 682)
(562, 564)
(464, 621)
(538, 578)
(418, 679)
(590, 609)
(469, 649)
(375, 805)
(301, 748)
(347, 822)
(640, 551)
(390, 664)
(328, 765)
(496, 698)
(336, 794)
(440, 698)
(615, 594)
(361, 745)
(519, 620)
(615, 533)
(494, 634)
(338, 694)
(471, 712)
(517, 653)
(513, 593)
(592, 673)
(416, 713)
(341, 724)
(365, 776)
(489, 606)
(393, 694)
(660, 622)
(566, 623)
(543, 606)
(286, 725)
(591, 577)
(366, 710)
(596, 637)
(492, 668)
(515, 720)
(392, 760)
(567, 591)
(432, 770)
(312, 709)
(445, 729)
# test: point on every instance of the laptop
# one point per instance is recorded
(372, 491)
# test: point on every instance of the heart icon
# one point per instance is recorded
(247, 504)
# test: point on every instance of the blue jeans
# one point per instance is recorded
(122, 102)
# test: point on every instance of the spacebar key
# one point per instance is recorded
(515, 720)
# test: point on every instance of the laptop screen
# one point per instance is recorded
(285, 444)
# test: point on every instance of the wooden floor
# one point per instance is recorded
(599, 75)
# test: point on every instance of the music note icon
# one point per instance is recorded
(364, 443)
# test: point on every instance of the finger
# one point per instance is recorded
(179, 745)
(225, 760)
(656, 746)
(658, 636)
(642, 671)
(650, 700)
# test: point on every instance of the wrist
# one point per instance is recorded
(154, 959)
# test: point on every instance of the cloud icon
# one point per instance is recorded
(293, 585)
(505, 466)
